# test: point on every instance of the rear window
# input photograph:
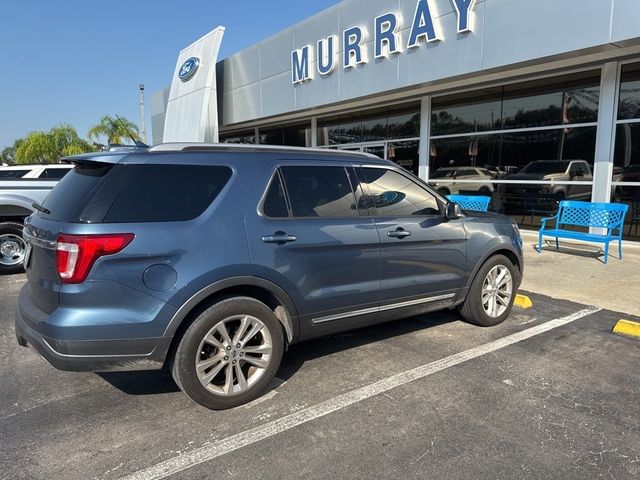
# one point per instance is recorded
(126, 193)
(54, 173)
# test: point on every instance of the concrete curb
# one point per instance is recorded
(627, 328)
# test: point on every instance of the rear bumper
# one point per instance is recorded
(85, 355)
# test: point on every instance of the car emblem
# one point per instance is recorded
(188, 69)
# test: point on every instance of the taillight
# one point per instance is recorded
(76, 254)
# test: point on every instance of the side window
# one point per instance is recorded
(13, 173)
(54, 173)
(168, 193)
(319, 192)
(395, 195)
(275, 203)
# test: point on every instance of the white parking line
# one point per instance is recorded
(248, 437)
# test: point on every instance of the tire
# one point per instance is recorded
(12, 248)
(222, 360)
(474, 310)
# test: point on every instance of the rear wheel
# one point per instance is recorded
(230, 353)
(12, 248)
(490, 298)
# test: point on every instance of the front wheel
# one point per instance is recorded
(229, 354)
(12, 248)
(490, 298)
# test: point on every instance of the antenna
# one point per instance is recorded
(137, 143)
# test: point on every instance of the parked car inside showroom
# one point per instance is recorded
(443, 180)
(212, 259)
(544, 198)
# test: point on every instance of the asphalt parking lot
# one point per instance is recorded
(552, 393)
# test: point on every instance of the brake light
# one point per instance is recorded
(76, 254)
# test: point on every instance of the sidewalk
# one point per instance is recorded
(577, 273)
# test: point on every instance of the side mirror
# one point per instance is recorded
(453, 211)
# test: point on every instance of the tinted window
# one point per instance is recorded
(319, 192)
(54, 173)
(275, 203)
(395, 195)
(69, 197)
(13, 173)
(168, 193)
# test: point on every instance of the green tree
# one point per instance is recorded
(51, 146)
(110, 130)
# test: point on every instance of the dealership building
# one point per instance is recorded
(527, 101)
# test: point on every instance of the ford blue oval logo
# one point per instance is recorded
(188, 69)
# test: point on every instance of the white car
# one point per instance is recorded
(42, 172)
(475, 180)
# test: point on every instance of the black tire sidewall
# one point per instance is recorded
(15, 229)
(183, 368)
(472, 308)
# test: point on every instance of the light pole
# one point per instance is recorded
(143, 123)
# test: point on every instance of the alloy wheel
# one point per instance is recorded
(233, 355)
(497, 290)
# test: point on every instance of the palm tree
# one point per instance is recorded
(114, 130)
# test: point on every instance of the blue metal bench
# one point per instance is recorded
(471, 202)
(609, 216)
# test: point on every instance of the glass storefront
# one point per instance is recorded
(244, 137)
(626, 160)
(526, 145)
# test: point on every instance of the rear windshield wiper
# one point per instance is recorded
(40, 208)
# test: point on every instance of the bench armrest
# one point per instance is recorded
(543, 221)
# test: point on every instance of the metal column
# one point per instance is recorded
(425, 134)
(605, 136)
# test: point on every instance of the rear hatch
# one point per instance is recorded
(82, 196)
(98, 209)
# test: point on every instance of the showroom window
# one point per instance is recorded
(243, 137)
(626, 163)
(292, 135)
(529, 144)
(389, 132)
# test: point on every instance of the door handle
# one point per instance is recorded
(279, 238)
(398, 233)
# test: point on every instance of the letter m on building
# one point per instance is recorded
(300, 64)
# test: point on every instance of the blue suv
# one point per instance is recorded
(211, 259)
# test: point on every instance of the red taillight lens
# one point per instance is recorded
(76, 254)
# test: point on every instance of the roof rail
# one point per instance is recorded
(212, 147)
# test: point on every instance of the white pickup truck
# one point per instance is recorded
(21, 187)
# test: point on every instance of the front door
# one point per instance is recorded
(423, 255)
(309, 237)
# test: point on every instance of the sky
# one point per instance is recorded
(73, 61)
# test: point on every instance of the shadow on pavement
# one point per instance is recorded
(160, 381)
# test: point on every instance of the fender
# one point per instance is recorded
(289, 318)
(498, 244)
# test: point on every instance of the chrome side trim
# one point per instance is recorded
(38, 241)
(383, 308)
(355, 313)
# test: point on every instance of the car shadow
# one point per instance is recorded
(156, 382)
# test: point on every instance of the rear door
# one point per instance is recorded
(423, 255)
(308, 236)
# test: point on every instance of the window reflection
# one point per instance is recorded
(532, 104)
(395, 195)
